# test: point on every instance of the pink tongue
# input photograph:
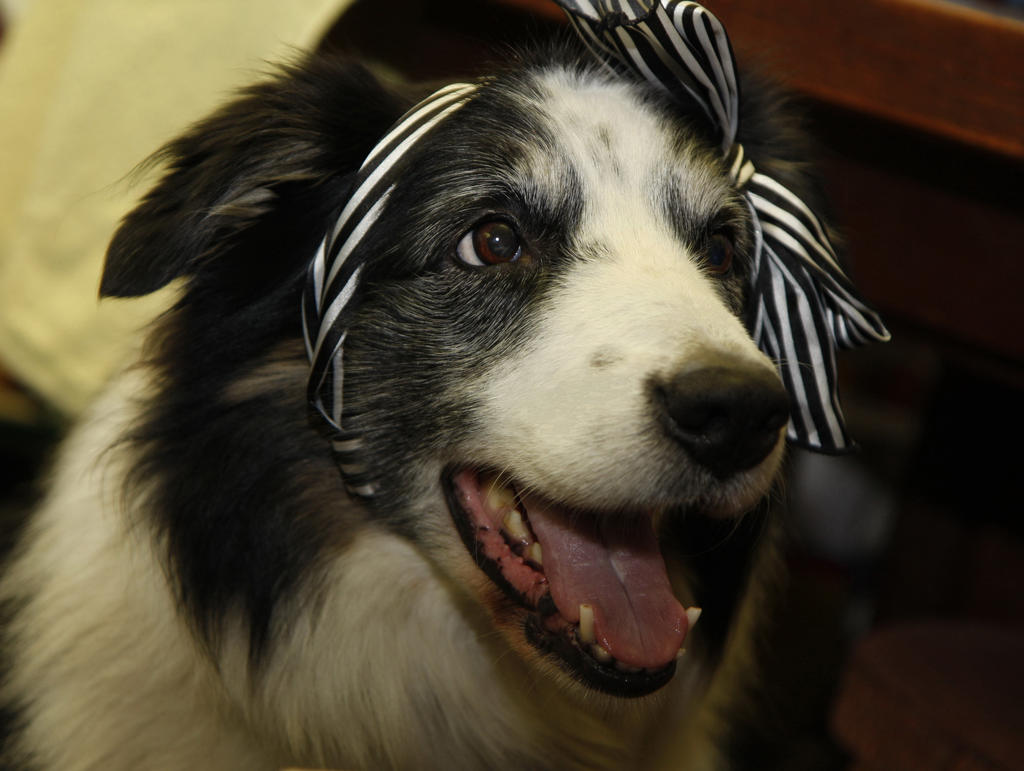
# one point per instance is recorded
(616, 568)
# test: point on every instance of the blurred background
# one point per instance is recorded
(898, 641)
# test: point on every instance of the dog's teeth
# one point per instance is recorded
(515, 527)
(680, 653)
(534, 553)
(587, 624)
(498, 496)
(600, 653)
(626, 668)
(692, 614)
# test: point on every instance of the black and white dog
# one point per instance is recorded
(575, 437)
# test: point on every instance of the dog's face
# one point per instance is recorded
(548, 366)
(568, 364)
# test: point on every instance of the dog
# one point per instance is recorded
(576, 440)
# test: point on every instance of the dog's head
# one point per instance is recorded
(548, 365)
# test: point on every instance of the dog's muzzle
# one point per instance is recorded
(594, 584)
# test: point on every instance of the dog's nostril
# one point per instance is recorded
(727, 416)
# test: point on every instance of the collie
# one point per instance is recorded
(572, 438)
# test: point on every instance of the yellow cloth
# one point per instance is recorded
(88, 89)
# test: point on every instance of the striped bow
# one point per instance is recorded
(802, 304)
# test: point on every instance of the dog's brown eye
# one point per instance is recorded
(490, 243)
(719, 254)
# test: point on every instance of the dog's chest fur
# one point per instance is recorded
(197, 590)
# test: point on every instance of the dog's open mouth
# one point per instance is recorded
(596, 588)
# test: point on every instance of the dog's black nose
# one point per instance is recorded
(727, 414)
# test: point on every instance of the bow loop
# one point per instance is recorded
(679, 47)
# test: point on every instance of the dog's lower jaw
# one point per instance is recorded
(608, 613)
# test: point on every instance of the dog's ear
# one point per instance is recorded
(279, 157)
(775, 137)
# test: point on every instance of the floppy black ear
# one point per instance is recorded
(283, 151)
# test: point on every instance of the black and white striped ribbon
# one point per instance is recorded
(802, 304)
(334, 275)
